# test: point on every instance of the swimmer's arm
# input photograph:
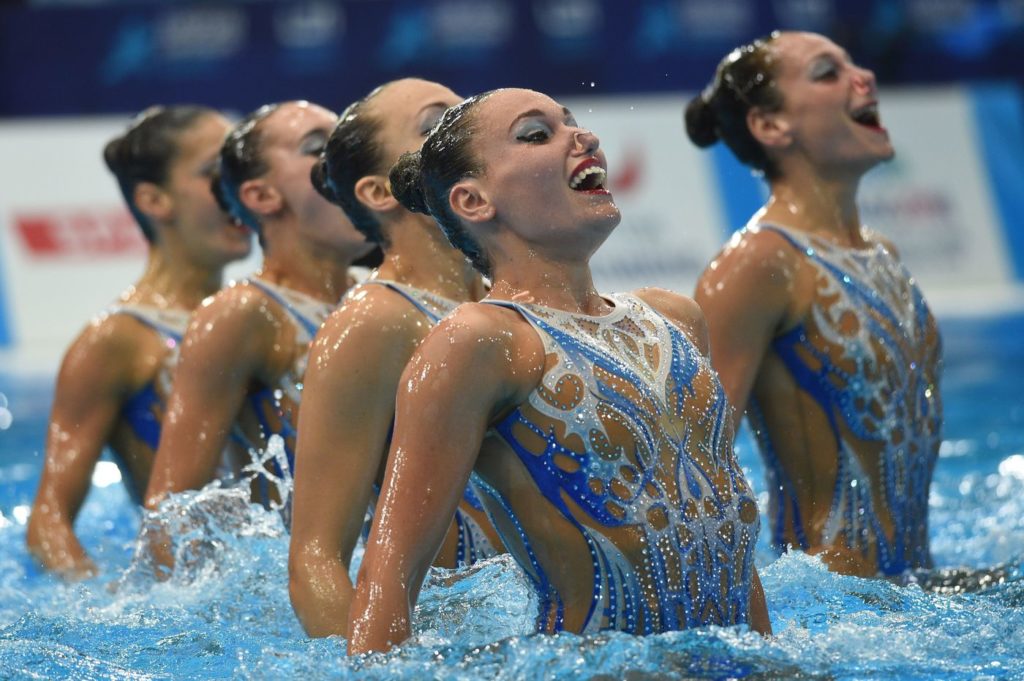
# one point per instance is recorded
(455, 384)
(746, 295)
(347, 407)
(226, 345)
(91, 387)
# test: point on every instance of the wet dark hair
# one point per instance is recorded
(421, 180)
(145, 151)
(744, 79)
(241, 159)
(353, 151)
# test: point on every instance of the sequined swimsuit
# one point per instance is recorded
(143, 411)
(863, 354)
(473, 544)
(307, 314)
(631, 424)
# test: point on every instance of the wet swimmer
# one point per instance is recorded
(115, 377)
(597, 428)
(358, 356)
(243, 357)
(817, 329)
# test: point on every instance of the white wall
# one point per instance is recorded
(67, 242)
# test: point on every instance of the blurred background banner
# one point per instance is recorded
(71, 74)
(99, 57)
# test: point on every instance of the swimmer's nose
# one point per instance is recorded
(586, 142)
(864, 80)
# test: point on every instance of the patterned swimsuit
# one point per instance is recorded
(631, 424)
(864, 356)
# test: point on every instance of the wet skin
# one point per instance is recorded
(117, 355)
(483, 362)
(355, 365)
(241, 341)
(760, 286)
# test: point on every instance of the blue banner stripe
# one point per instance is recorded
(999, 118)
(741, 193)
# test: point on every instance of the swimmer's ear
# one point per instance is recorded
(260, 198)
(152, 201)
(374, 192)
(770, 128)
(470, 202)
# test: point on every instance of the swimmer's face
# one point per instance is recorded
(407, 110)
(293, 137)
(543, 174)
(207, 233)
(829, 104)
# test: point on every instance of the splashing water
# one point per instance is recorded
(224, 612)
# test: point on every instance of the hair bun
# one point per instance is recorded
(321, 182)
(406, 182)
(701, 122)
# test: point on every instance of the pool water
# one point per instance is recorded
(225, 612)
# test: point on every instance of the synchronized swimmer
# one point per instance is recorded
(477, 394)
(115, 378)
(363, 347)
(817, 329)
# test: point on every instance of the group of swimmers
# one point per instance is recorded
(476, 393)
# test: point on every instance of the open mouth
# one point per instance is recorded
(868, 116)
(589, 177)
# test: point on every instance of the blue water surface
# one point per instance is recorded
(225, 612)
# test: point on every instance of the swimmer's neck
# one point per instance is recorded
(174, 283)
(418, 254)
(302, 266)
(810, 203)
(558, 285)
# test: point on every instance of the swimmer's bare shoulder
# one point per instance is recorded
(115, 351)
(759, 273)
(489, 348)
(239, 326)
(361, 349)
(681, 310)
(375, 319)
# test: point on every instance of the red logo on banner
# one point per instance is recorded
(80, 232)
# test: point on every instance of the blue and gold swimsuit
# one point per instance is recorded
(868, 355)
(628, 438)
(473, 544)
(143, 411)
(274, 406)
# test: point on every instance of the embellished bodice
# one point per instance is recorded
(868, 353)
(631, 424)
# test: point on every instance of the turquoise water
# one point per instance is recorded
(225, 613)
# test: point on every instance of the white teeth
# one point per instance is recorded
(578, 178)
(869, 110)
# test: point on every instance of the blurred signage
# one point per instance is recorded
(84, 232)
